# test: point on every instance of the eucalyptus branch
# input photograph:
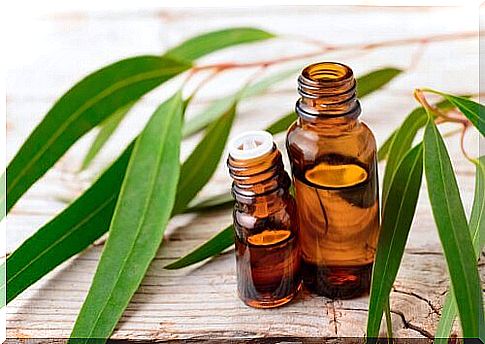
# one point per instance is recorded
(342, 47)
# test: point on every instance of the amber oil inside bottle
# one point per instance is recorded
(265, 223)
(333, 158)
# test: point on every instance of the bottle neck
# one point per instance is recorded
(328, 93)
(263, 177)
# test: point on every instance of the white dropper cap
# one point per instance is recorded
(250, 145)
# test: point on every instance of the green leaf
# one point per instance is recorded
(403, 138)
(189, 50)
(76, 227)
(474, 111)
(89, 216)
(387, 312)
(84, 221)
(142, 212)
(383, 151)
(282, 124)
(452, 227)
(209, 42)
(477, 232)
(83, 107)
(366, 85)
(217, 108)
(203, 161)
(221, 200)
(397, 218)
(375, 80)
(107, 128)
(212, 247)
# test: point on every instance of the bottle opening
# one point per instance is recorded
(251, 145)
(327, 89)
(327, 72)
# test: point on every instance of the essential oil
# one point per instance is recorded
(265, 222)
(334, 167)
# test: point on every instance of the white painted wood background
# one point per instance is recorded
(201, 301)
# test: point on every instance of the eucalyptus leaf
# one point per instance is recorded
(282, 124)
(397, 217)
(214, 246)
(373, 81)
(474, 111)
(221, 200)
(402, 140)
(189, 50)
(218, 107)
(477, 232)
(142, 212)
(70, 232)
(83, 107)
(204, 159)
(204, 44)
(89, 216)
(107, 128)
(383, 151)
(452, 227)
(78, 225)
(387, 312)
(366, 84)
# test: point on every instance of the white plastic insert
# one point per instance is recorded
(250, 145)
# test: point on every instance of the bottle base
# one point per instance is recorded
(337, 282)
(271, 303)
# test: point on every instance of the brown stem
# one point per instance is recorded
(326, 48)
(462, 143)
(441, 116)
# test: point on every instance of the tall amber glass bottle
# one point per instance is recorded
(333, 159)
(265, 222)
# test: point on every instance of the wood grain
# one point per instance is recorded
(200, 303)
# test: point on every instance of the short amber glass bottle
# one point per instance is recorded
(333, 159)
(265, 222)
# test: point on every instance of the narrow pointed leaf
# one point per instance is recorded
(107, 128)
(371, 82)
(189, 50)
(403, 138)
(84, 220)
(79, 225)
(89, 216)
(221, 200)
(83, 107)
(387, 312)
(203, 161)
(474, 111)
(453, 230)
(397, 218)
(413, 122)
(220, 106)
(282, 124)
(383, 151)
(142, 212)
(209, 42)
(366, 84)
(477, 231)
(214, 246)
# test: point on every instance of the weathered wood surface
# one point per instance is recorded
(201, 302)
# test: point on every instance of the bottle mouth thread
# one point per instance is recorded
(255, 165)
(327, 89)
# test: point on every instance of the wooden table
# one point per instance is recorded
(200, 302)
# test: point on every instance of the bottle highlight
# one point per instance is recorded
(265, 222)
(334, 168)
